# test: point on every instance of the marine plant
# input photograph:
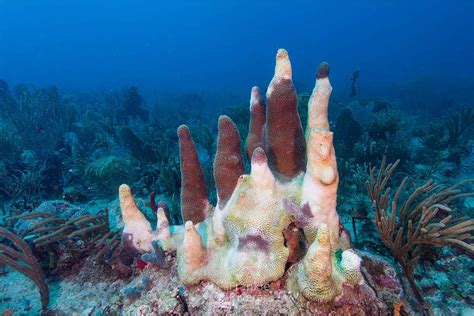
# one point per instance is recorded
(444, 153)
(459, 124)
(40, 117)
(240, 115)
(132, 106)
(9, 141)
(244, 239)
(384, 125)
(18, 255)
(423, 220)
(109, 170)
(303, 99)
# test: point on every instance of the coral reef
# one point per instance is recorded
(256, 226)
(241, 241)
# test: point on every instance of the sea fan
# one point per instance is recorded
(109, 169)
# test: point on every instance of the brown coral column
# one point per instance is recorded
(194, 202)
(284, 138)
(228, 165)
(257, 120)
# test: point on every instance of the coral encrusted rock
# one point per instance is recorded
(279, 222)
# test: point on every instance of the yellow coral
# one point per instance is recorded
(314, 272)
(135, 223)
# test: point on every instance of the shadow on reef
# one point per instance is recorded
(208, 234)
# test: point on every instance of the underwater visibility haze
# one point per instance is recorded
(236, 157)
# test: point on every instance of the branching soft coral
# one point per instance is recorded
(424, 219)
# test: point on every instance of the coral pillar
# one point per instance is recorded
(321, 179)
(314, 273)
(319, 100)
(228, 165)
(194, 201)
(255, 232)
(284, 140)
(163, 226)
(193, 250)
(257, 120)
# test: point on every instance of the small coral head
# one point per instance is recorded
(323, 70)
(135, 222)
(283, 65)
(130, 212)
(194, 252)
(350, 258)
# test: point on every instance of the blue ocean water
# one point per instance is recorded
(214, 45)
